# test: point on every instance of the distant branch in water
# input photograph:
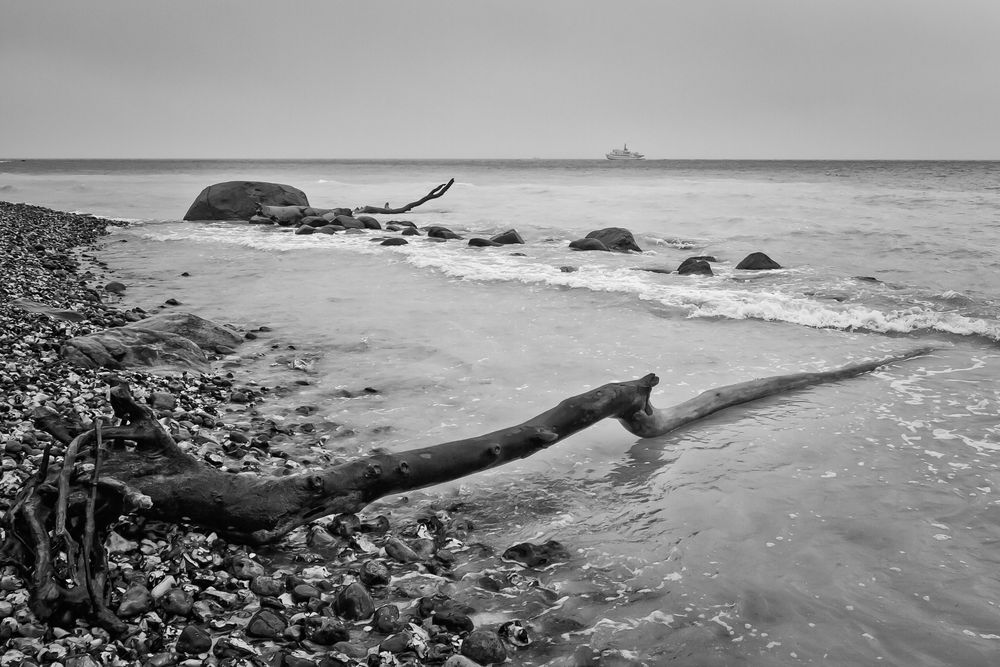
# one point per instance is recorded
(652, 422)
(433, 194)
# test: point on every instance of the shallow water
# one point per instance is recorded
(851, 523)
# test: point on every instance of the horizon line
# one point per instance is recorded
(512, 159)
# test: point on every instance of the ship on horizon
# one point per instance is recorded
(624, 154)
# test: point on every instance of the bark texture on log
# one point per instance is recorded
(433, 194)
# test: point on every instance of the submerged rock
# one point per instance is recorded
(55, 313)
(164, 342)
(589, 244)
(483, 243)
(535, 555)
(438, 232)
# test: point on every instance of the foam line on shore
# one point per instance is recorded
(714, 297)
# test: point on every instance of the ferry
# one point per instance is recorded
(624, 154)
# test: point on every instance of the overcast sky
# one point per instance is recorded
(518, 79)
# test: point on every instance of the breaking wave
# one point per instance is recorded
(779, 296)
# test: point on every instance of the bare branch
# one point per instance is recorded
(433, 194)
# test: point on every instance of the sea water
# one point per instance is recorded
(851, 523)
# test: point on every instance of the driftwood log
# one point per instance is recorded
(433, 194)
(57, 525)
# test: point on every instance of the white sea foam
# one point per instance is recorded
(714, 297)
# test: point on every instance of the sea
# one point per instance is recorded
(852, 523)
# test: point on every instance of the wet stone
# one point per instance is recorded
(230, 648)
(396, 643)
(304, 592)
(345, 524)
(289, 660)
(266, 586)
(177, 601)
(137, 600)
(484, 646)
(374, 573)
(161, 400)
(205, 610)
(460, 661)
(537, 555)
(320, 537)
(386, 619)
(162, 660)
(328, 631)
(266, 624)
(294, 633)
(515, 632)
(453, 620)
(244, 568)
(355, 602)
(400, 551)
(81, 661)
(193, 639)
(351, 650)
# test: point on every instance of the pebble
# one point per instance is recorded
(374, 573)
(304, 592)
(136, 601)
(386, 619)
(266, 586)
(177, 602)
(354, 603)
(246, 568)
(193, 639)
(400, 551)
(327, 631)
(484, 646)
(266, 623)
(460, 661)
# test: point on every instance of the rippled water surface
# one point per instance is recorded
(852, 523)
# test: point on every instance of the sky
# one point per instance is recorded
(330, 79)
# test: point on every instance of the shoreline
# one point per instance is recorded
(182, 610)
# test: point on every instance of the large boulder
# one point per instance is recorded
(238, 200)
(165, 343)
(617, 239)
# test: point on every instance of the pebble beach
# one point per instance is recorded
(347, 590)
